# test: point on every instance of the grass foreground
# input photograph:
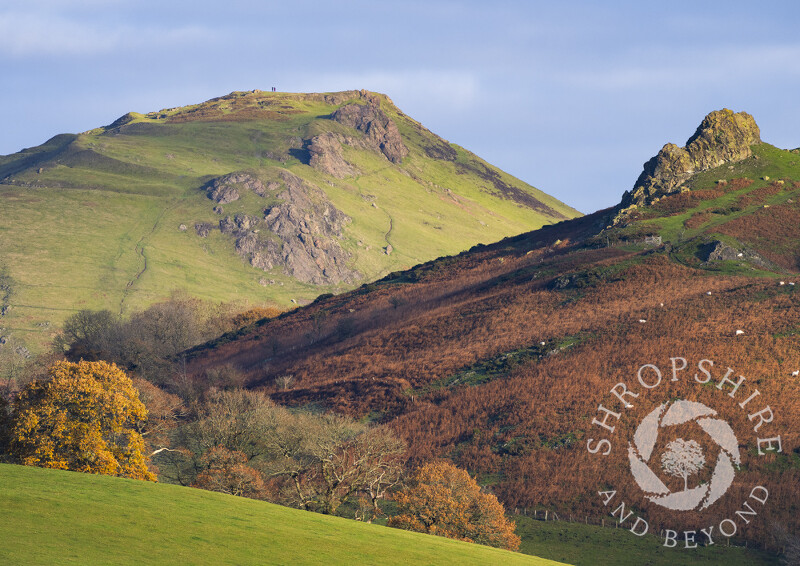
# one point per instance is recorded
(57, 517)
(590, 545)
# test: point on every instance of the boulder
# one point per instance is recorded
(202, 229)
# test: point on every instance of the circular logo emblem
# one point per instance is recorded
(683, 458)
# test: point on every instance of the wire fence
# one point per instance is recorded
(612, 523)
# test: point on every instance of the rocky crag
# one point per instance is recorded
(300, 234)
(723, 137)
(378, 132)
(227, 188)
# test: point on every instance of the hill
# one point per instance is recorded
(57, 517)
(261, 197)
(52, 516)
(498, 358)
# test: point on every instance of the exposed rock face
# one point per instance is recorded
(720, 251)
(301, 234)
(380, 131)
(226, 189)
(310, 227)
(326, 155)
(239, 223)
(723, 137)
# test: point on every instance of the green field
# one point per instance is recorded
(56, 517)
(93, 220)
(587, 545)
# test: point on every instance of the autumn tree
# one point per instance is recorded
(227, 471)
(84, 417)
(336, 458)
(5, 424)
(164, 412)
(443, 500)
(318, 462)
(149, 339)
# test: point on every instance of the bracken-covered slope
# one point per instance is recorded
(499, 357)
(265, 197)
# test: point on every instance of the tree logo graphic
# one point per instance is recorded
(683, 458)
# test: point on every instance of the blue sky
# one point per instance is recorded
(572, 97)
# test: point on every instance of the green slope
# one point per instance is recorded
(93, 220)
(56, 517)
(588, 545)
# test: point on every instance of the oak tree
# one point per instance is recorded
(227, 471)
(443, 500)
(84, 417)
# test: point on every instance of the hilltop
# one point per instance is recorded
(257, 196)
(497, 358)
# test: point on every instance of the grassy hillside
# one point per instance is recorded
(95, 220)
(587, 545)
(56, 517)
(498, 358)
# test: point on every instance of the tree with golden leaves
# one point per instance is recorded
(443, 500)
(84, 417)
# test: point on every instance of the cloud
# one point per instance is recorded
(31, 34)
(453, 89)
(657, 68)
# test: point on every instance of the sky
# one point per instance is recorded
(571, 97)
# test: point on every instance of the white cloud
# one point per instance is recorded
(453, 89)
(719, 66)
(39, 34)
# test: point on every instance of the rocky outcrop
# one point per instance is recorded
(379, 130)
(723, 137)
(325, 154)
(720, 251)
(227, 188)
(310, 228)
(237, 224)
(300, 234)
